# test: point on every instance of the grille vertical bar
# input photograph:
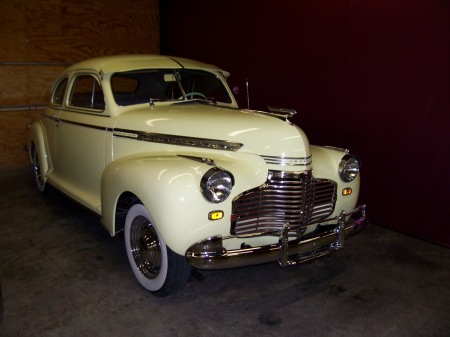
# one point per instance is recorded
(289, 198)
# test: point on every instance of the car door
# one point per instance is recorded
(80, 141)
(52, 113)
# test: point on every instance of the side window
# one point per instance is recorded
(58, 92)
(87, 93)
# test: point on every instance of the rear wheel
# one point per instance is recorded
(38, 175)
(156, 267)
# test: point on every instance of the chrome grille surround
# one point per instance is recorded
(292, 198)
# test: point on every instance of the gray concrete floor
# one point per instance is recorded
(62, 275)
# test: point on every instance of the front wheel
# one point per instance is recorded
(156, 267)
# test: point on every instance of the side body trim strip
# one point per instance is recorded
(160, 137)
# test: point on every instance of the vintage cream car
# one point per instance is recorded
(158, 147)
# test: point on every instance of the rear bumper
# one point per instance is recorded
(210, 253)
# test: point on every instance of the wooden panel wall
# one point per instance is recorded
(41, 37)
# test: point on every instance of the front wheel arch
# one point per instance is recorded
(125, 201)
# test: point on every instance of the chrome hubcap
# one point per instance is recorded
(145, 248)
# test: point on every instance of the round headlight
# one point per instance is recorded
(216, 185)
(349, 168)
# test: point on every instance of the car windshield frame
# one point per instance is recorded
(168, 85)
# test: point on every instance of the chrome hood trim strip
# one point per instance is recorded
(179, 140)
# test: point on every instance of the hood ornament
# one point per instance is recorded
(281, 112)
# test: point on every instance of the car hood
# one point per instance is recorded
(259, 133)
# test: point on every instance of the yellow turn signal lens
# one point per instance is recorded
(215, 215)
(347, 191)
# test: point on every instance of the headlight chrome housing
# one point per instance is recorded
(349, 168)
(216, 185)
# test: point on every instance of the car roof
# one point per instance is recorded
(119, 63)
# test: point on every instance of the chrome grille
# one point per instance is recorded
(288, 161)
(295, 199)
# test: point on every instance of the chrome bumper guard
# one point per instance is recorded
(210, 253)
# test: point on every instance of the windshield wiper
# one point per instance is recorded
(196, 101)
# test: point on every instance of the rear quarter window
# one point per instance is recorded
(87, 93)
(59, 92)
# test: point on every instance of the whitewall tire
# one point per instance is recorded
(156, 267)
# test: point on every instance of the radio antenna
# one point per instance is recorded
(248, 95)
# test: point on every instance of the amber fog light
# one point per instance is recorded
(215, 215)
(347, 191)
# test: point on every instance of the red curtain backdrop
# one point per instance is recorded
(371, 76)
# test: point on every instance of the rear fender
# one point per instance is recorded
(37, 143)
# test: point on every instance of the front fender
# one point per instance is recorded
(169, 187)
(36, 142)
(325, 165)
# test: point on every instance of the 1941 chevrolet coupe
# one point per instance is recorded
(158, 147)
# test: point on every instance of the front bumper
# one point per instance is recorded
(210, 253)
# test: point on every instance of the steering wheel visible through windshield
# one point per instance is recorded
(162, 85)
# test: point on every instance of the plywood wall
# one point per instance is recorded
(39, 38)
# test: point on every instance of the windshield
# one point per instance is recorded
(162, 85)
